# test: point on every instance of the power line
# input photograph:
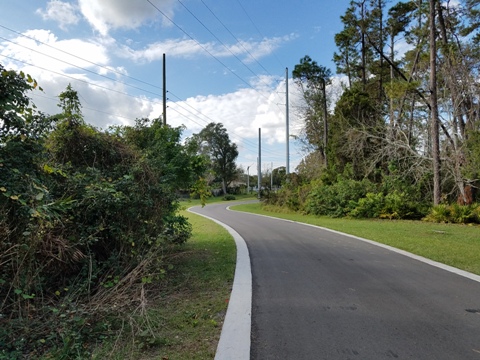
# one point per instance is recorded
(236, 39)
(80, 58)
(81, 68)
(70, 77)
(220, 41)
(244, 140)
(258, 30)
(203, 47)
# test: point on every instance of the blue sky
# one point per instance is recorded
(226, 61)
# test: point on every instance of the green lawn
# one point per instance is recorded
(451, 244)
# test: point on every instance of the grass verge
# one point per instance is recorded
(451, 244)
(185, 317)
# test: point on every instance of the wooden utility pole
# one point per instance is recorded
(287, 140)
(164, 91)
(259, 177)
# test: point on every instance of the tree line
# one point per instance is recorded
(406, 128)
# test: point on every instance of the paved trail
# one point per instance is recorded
(323, 295)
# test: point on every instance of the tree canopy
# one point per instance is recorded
(214, 143)
(406, 122)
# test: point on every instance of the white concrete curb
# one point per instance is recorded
(234, 341)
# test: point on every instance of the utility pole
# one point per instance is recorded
(287, 167)
(259, 162)
(164, 91)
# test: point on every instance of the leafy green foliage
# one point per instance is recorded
(338, 199)
(85, 217)
(392, 198)
(455, 213)
(215, 145)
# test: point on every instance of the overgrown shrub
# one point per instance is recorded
(454, 213)
(338, 199)
(395, 205)
(86, 220)
(371, 206)
(401, 205)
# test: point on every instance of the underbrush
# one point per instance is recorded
(79, 244)
(184, 314)
(88, 221)
(455, 213)
(350, 198)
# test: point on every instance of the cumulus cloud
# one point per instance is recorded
(242, 112)
(105, 15)
(256, 49)
(43, 49)
(188, 48)
(62, 12)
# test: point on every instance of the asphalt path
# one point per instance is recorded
(319, 294)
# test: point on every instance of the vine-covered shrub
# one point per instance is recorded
(86, 219)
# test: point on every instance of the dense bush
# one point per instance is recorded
(395, 205)
(392, 198)
(86, 220)
(338, 199)
(370, 206)
(454, 213)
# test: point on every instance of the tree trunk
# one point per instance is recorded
(434, 108)
(224, 187)
(364, 47)
(380, 85)
(392, 59)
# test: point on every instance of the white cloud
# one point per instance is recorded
(242, 113)
(42, 49)
(62, 12)
(255, 49)
(104, 15)
(174, 48)
(188, 48)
